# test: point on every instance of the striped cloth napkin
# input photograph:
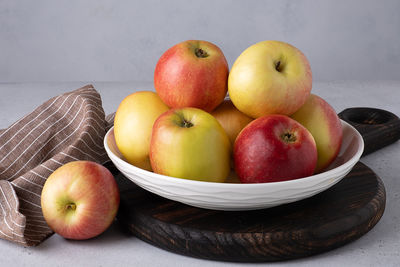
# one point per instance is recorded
(65, 128)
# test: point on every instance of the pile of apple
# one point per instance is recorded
(271, 129)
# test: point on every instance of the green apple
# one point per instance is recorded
(270, 77)
(190, 143)
(324, 124)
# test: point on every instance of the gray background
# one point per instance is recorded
(107, 40)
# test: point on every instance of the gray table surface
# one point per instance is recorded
(379, 247)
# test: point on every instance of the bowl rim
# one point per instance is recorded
(352, 161)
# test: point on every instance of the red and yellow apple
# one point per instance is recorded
(192, 73)
(274, 148)
(324, 124)
(80, 200)
(189, 143)
(231, 119)
(133, 124)
(270, 77)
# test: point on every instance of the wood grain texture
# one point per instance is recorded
(328, 220)
(378, 127)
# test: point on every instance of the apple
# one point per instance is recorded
(270, 77)
(231, 119)
(324, 124)
(133, 124)
(189, 143)
(192, 73)
(80, 200)
(274, 148)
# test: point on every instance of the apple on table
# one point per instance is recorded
(270, 77)
(80, 200)
(274, 148)
(189, 143)
(192, 73)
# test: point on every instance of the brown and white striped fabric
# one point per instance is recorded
(66, 128)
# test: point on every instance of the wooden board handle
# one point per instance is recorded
(378, 127)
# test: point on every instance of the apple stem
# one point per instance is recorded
(200, 53)
(70, 206)
(288, 137)
(186, 124)
(277, 66)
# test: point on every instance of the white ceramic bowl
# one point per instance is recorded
(236, 196)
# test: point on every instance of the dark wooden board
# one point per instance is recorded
(378, 127)
(328, 220)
